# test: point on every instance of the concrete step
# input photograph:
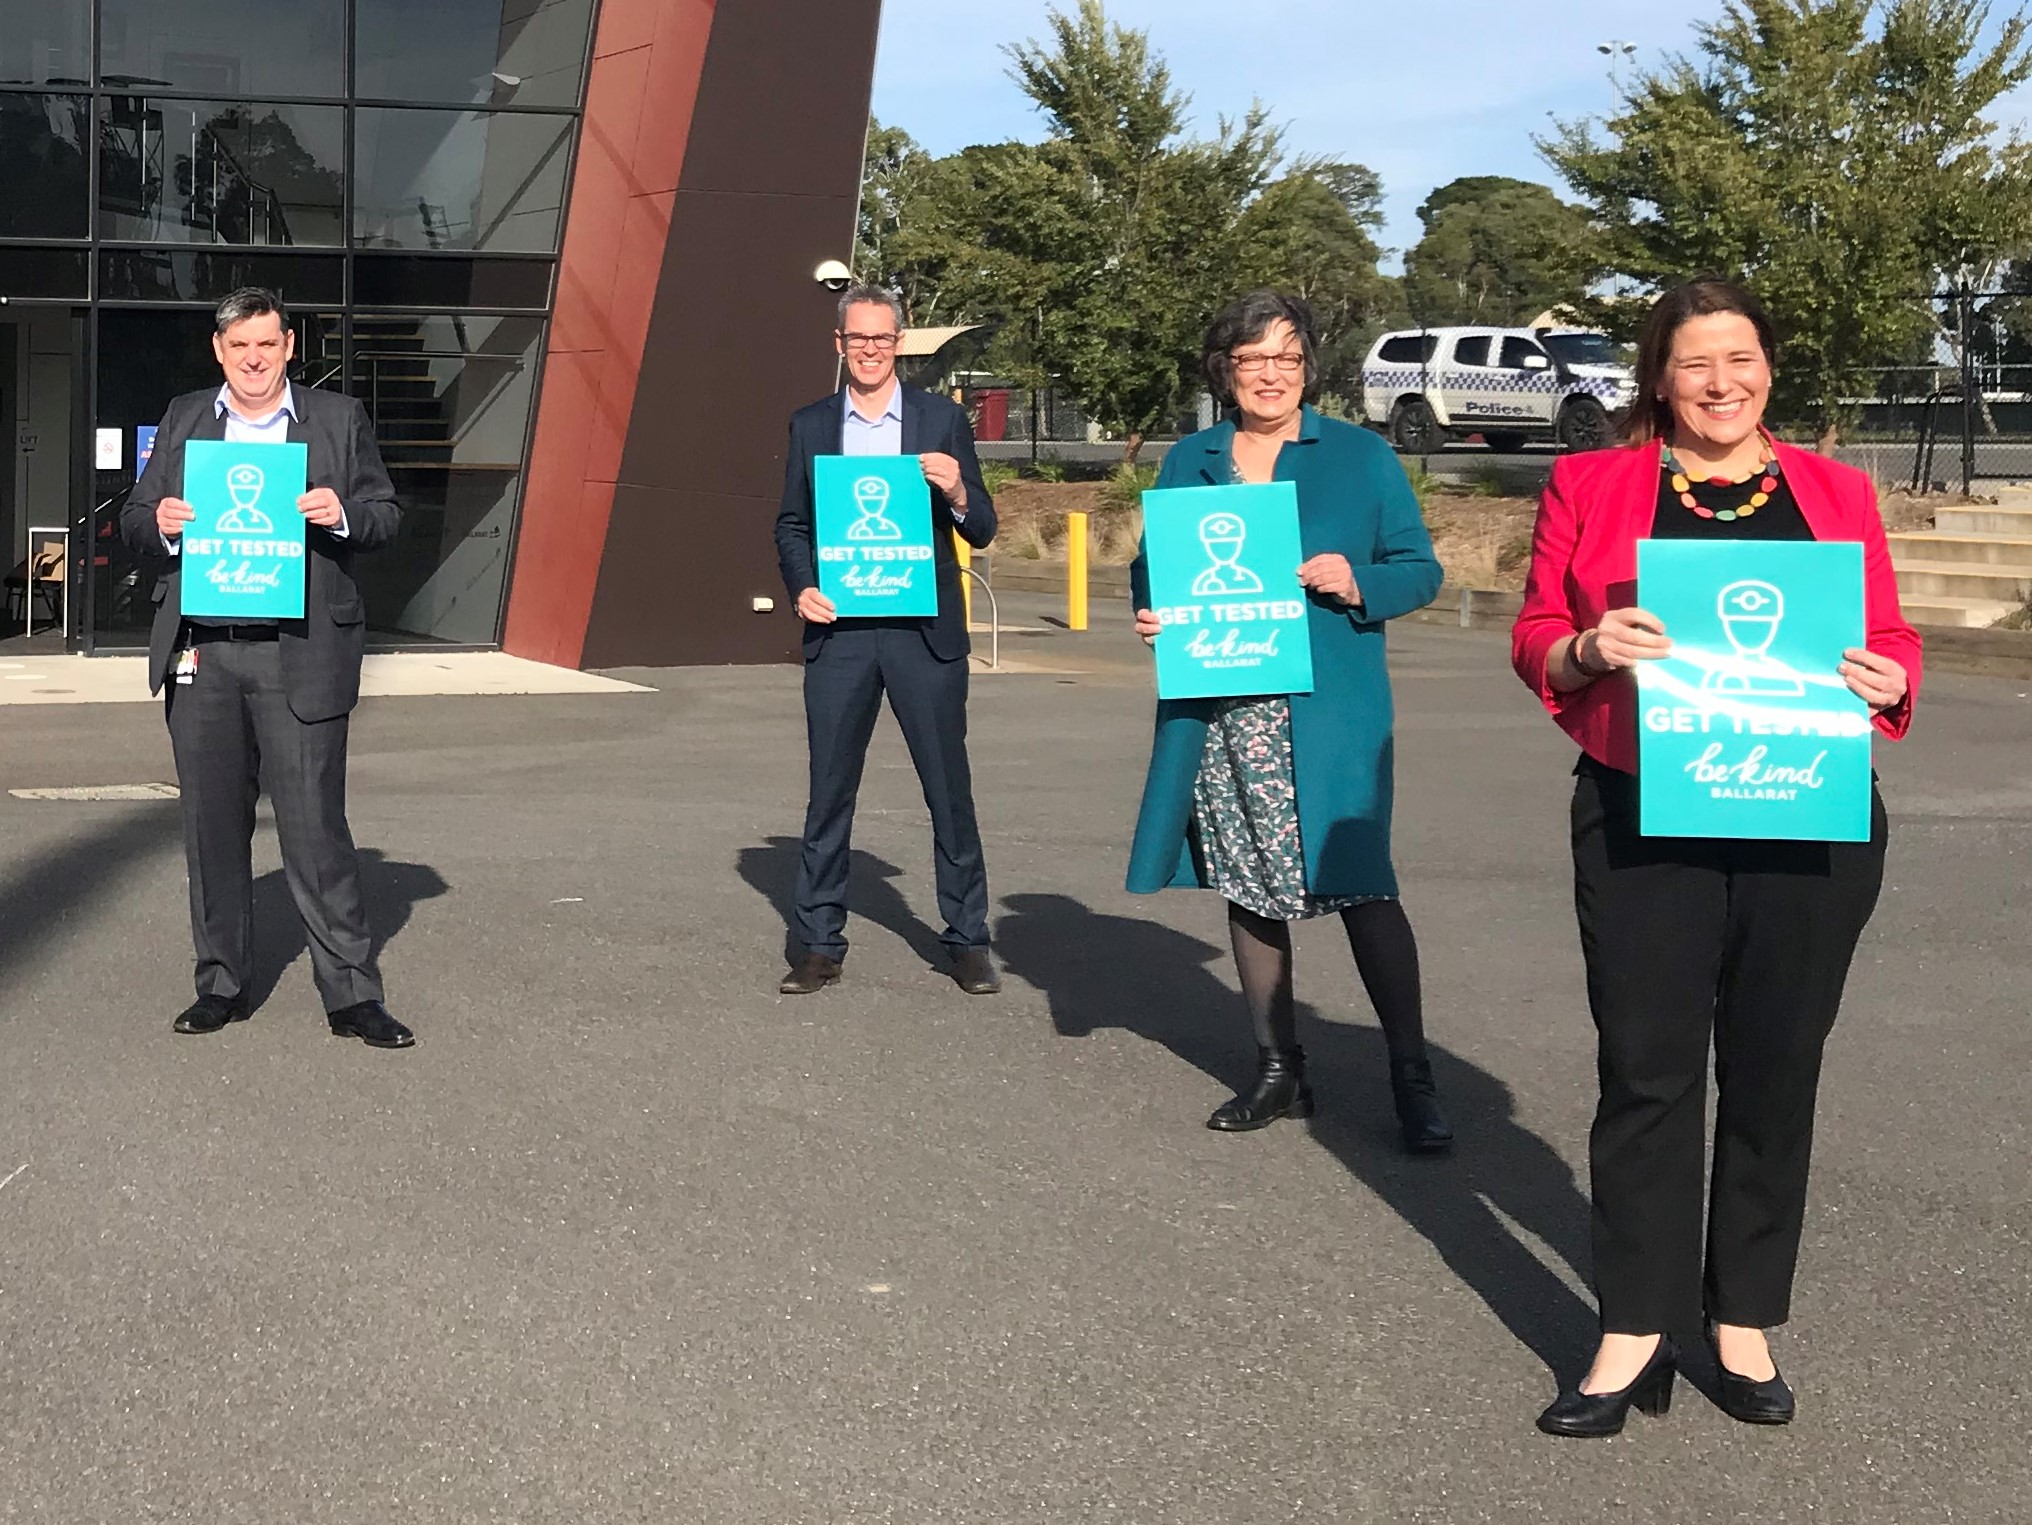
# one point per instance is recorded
(1982, 519)
(1963, 613)
(1961, 579)
(1978, 550)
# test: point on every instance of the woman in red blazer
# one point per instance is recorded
(1690, 941)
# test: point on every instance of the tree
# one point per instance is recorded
(1837, 156)
(1310, 234)
(1496, 250)
(1099, 254)
(1134, 233)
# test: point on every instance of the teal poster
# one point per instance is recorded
(243, 555)
(873, 535)
(1746, 729)
(1224, 585)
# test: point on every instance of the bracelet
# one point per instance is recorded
(1584, 668)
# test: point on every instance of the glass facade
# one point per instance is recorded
(397, 171)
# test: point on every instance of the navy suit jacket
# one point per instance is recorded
(930, 424)
(321, 652)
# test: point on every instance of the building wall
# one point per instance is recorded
(719, 164)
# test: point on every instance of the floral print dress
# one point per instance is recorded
(1245, 812)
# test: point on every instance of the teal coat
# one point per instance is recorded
(1352, 498)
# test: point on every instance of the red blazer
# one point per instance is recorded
(1597, 507)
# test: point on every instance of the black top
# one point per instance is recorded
(1779, 519)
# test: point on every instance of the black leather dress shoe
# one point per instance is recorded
(209, 1013)
(811, 974)
(1589, 1416)
(1749, 1401)
(370, 1023)
(974, 972)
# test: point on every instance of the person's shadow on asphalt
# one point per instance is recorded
(392, 889)
(1099, 970)
(771, 871)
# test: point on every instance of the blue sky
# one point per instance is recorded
(1421, 92)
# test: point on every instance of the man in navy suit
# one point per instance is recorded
(921, 664)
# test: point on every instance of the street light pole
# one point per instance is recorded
(1619, 54)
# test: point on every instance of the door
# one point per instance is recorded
(1529, 383)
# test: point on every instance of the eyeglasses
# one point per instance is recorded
(1251, 365)
(869, 341)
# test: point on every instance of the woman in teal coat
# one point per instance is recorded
(1283, 804)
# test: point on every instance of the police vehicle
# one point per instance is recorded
(1423, 387)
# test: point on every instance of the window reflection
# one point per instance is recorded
(210, 172)
(458, 179)
(471, 52)
(42, 42)
(450, 399)
(225, 47)
(44, 176)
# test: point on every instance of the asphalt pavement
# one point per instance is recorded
(629, 1237)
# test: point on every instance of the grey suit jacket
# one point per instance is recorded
(321, 652)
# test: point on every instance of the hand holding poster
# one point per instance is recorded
(243, 555)
(1747, 729)
(873, 535)
(1224, 585)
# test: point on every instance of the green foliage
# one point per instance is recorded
(1496, 250)
(1124, 490)
(1423, 483)
(1487, 482)
(996, 475)
(1046, 469)
(1099, 255)
(1836, 155)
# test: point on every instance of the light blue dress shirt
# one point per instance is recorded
(876, 436)
(873, 436)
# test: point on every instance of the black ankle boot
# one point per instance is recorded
(1280, 1091)
(1426, 1130)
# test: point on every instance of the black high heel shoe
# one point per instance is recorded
(1590, 1415)
(1747, 1401)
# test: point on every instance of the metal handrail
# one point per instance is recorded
(994, 620)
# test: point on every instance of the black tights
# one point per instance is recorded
(1386, 957)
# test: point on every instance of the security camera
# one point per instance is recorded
(833, 275)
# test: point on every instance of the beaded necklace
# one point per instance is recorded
(1682, 483)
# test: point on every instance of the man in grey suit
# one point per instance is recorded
(256, 704)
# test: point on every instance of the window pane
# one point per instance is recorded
(44, 175)
(209, 172)
(42, 42)
(458, 179)
(450, 401)
(472, 52)
(43, 273)
(203, 275)
(225, 47)
(408, 280)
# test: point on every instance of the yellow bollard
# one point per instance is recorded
(1076, 571)
(965, 553)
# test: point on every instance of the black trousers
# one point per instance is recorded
(1746, 944)
(843, 688)
(234, 735)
